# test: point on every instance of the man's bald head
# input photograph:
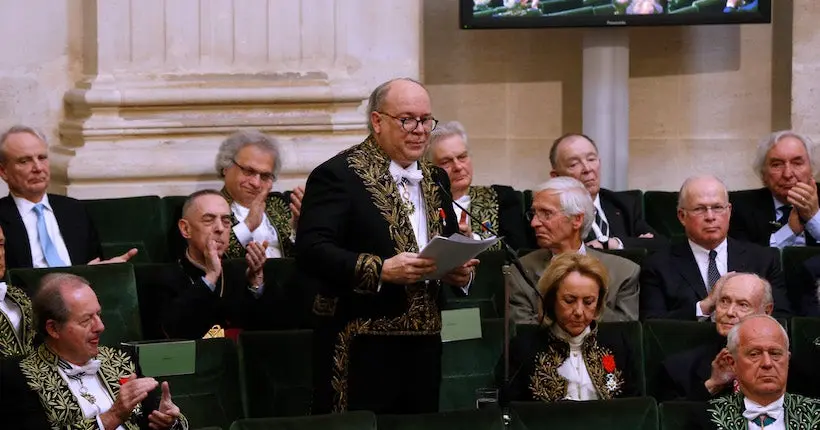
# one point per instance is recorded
(739, 295)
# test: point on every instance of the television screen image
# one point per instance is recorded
(573, 13)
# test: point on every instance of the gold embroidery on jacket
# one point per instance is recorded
(279, 214)
(368, 270)
(11, 344)
(484, 205)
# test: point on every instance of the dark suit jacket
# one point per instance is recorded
(534, 340)
(179, 305)
(624, 215)
(76, 227)
(671, 284)
(685, 373)
(752, 217)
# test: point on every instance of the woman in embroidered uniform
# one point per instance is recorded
(566, 358)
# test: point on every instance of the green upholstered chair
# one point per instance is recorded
(605, 10)
(795, 275)
(171, 213)
(661, 212)
(663, 338)
(470, 364)
(356, 420)
(116, 291)
(685, 9)
(487, 290)
(676, 415)
(804, 336)
(150, 297)
(636, 255)
(707, 6)
(130, 222)
(207, 428)
(275, 369)
(637, 413)
(210, 396)
(475, 419)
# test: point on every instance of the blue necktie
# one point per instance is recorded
(49, 250)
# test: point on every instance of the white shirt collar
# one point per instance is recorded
(721, 248)
(597, 202)
(3, 290)
(774, 409)
(398, 171)
(777, 203)
(572, 340)
(25, 206)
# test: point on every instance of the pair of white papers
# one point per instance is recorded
(454, 251)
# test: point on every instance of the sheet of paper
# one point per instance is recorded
(451, 252)
(460, 324)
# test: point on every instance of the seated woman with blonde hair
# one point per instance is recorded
(566, 358)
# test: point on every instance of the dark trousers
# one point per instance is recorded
(385, 374)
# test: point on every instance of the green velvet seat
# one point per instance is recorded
(210, 397)
(686, 9)
(796, 277)
(710, 6)
(130, 222)
(661, 212)
(275, 370)
(804, 335)
(171, 213)
(676, 415)
(357, 420)
(470, 364)
(116, 291)
(637, 413)
(487, 290)
(663, 338)
(475, 419)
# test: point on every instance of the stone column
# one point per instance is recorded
(166, 80)
(805, 103)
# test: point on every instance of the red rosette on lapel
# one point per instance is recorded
(609, 363)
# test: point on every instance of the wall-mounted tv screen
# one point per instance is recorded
(477, 14)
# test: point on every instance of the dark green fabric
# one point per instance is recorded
(487, 290)
(210, 397)
(804, 339)
(662, 338)
(796, 277)
(276, 372)
(636, 255)
(637, 413)
(116, 291)
(482, 419)
(357, 420)
(661, 212)
(677, 415)
(470, 364)
(171, 213)
(130, 222)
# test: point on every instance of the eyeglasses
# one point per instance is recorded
(701, 211)
(250, 173)
(542, 214)
(428, 123)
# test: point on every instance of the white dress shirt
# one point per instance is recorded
(596, 229)
(265, 232)
(26, 209)
(702, 259)
(574, 370)
(10, 309)
(774, 410)
(95, 387)
(418, 219)
(785, 236)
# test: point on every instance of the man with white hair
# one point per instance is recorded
(497, 206)
(676, 283)
(561, 216)
(703, 372)
(785, 211)
(759, 357)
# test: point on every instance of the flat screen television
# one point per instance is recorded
(480, 14)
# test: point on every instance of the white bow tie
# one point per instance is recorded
(411, 176)
(774, 410)
(89, 368)
(3, 289)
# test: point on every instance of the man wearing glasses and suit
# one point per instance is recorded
(250, 161)
(677, 283)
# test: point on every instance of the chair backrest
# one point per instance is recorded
(210, 396)
(663, 338)
(804, 340)
(276, 373)
(635, 255)
(130, 222)
(356, 420)
(467, 365)
(796, 276)
(171, 213)
(474, 419)
(487, 290)
(116, 291)
(635, 413)
(681, 415)
(661, 212)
